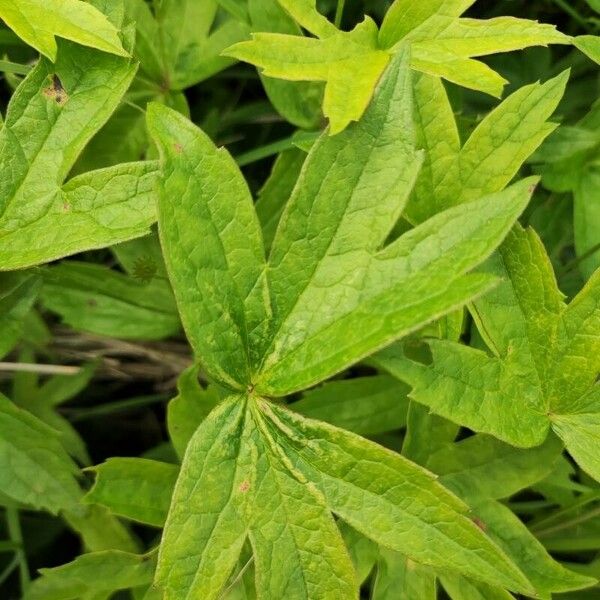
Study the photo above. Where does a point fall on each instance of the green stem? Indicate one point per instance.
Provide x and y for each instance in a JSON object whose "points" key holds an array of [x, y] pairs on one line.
{"points": [[113, 407], [568, 523], [577, 261], [12, 565], [573, 13], [16, 535], [10, 67], [269, 150], [339, 12]]}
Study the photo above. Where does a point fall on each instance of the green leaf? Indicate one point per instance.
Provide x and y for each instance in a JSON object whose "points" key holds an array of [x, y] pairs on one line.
{"points": [[542, 352], [94, 298], [95, 575], [34, 468], [547, 575], [369, 486], [51, 117], [135, 488], [589, 45], [492, 155], [235, 483], [190, 39], [297, 102], [323, 256], [220, 286], [461, 588], [276, 191], [403, 291], [481, 466], [400, 577], [37, 22], [349, 63], [18, 292], [441, 44], [587, 219], [364, 405], [189, 408]]}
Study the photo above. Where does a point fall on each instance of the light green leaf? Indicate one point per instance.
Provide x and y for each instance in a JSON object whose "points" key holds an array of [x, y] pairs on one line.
{"points": [[94, 298], [349, 63], [235, 483], [365, 405], [399, 577], [135, 488], [402, 291], [461, 588], [51, 117], [34, 468], [276, 191], [481, 466], [389, 499], [37, 22], [189, 408], [297, 102], [545, 354], [492, 155], [547, 575], [220, 285], [323, 256], [405, 16], [99, 530], [589, 45], [94, 575]]}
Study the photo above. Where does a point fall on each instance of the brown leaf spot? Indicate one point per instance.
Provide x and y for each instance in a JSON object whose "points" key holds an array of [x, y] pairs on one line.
{"points": [[178, 147], [66, 207], [244, 486], [479, 523], [92, 303], [55, 91]]}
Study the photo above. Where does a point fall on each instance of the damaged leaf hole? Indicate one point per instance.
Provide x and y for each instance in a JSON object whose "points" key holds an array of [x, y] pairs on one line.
{"points": [[55, 91]]}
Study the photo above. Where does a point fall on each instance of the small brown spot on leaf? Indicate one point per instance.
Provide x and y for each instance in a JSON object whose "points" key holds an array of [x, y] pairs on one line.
{"points": [[178, 147], [479, 523], [245, 486], [532, 188], [92, 303], [66, 207], [55, 91]]}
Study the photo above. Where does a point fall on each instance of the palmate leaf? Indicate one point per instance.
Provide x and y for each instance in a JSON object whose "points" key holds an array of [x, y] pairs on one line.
{"points": [[51, 117], [543, 365], [37, 22], [442, 44], [454, 173], [330, 293], [256, 459]]}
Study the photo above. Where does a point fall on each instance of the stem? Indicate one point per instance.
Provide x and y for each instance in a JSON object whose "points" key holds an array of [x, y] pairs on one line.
{"points": [[12, 565], [568, 523], [11, 67], [236, 579], [44, 369], [571, 265], [573, 13], [113, 407], [274, 148], [16, 535], [339, 11]]}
